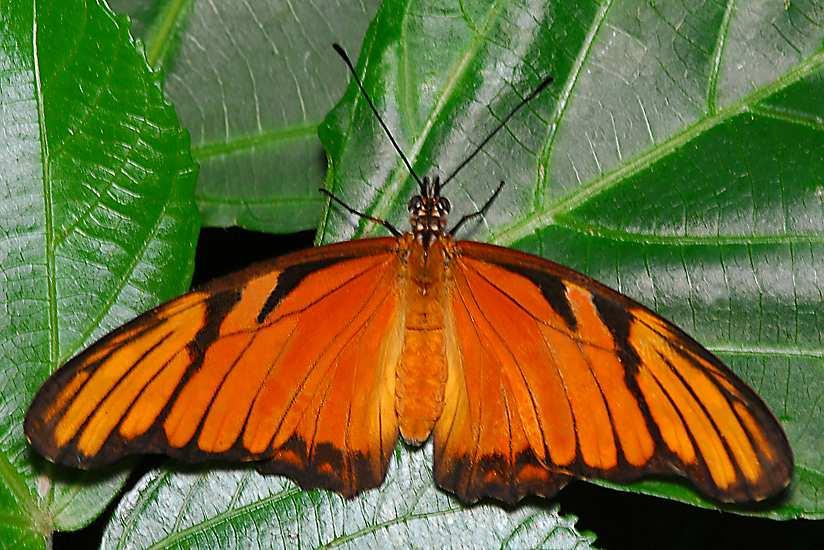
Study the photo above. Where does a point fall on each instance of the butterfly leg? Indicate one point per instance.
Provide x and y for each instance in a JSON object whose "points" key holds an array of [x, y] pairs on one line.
{"points": [[392, 229], [480, 212]]}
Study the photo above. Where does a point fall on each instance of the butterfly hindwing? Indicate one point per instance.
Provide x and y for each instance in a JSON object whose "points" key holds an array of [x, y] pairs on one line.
{"points": [[288, 363], [553, 375]]}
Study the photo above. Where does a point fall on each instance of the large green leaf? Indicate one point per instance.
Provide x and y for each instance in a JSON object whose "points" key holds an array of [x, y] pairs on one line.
{"points": [[686, 221], [97, 223], [252, 81], [677, 158], [242, 509]]}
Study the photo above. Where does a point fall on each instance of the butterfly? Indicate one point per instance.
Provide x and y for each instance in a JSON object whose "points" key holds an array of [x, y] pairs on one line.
{"points": [[525, 374]]}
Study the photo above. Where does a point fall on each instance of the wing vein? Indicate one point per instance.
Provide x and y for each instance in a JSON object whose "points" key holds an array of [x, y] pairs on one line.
{"points": [[721, 437], [84, 425], [350, 471], [538, 320], [514, 360], [666, 393], [332, 366], [511, 466], [478, 424], [310, 445], [514, 301], [272, 363], [311, 368], [99, 363], [338, 288], [555, 364], [591, 369], [219, 387], [573, 416]]}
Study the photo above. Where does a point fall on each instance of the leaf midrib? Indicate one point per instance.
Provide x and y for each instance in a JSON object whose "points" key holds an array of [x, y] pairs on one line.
{"points": [[14, 479], [224, 517], [39, 521], [718, 53], [785, 352], [406, 518], [541, 218], [161, 30], [205, 151], [47, 200], [563, 101], [616, 235]]}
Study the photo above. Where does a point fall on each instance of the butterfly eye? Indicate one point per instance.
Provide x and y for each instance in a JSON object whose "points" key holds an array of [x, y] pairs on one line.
{"points": [[444, 205], [414, 204]]}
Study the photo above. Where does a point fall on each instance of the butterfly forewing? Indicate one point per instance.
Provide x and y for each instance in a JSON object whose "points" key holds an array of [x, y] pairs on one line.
{"points": [[277, 363], [553, 375]]}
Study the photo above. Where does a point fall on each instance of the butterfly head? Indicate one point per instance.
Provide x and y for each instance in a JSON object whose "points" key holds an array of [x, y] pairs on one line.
{"points": [[428, 212]]}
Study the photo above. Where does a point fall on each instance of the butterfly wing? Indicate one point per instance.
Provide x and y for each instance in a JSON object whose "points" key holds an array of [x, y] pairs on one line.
{"points": [[553, 375], [289, 362]]}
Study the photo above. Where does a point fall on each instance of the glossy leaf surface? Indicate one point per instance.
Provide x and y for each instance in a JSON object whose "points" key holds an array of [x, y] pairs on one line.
{"points": [[252, 81], [97, 223], [242, 509]]}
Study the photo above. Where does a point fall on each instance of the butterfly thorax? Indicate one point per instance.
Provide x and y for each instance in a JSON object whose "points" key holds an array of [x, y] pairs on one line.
{"points": [[428, 212]]}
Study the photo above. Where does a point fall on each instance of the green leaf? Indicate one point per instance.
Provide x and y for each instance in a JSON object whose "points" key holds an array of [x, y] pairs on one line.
{"points": [[242, 509], [97, 223], [677, 157], [252, 81]]}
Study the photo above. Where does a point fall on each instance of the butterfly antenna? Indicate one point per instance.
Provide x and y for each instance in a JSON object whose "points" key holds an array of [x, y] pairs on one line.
{"points": [[392, 229], [345, 57], [546, 82]]}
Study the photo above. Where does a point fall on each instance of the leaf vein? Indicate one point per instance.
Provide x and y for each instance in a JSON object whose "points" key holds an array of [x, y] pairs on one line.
{"points": [[538, 218], [382, 206], [563, 101], [717, 55]]}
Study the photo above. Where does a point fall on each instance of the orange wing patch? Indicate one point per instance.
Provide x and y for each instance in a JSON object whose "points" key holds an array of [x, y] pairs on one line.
{"points": [[492, 437], [291, 363], [298, 364], [552, 375]]}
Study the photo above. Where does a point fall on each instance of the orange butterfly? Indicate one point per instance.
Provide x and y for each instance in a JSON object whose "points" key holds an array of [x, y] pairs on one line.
{"points": [[524, 372]]}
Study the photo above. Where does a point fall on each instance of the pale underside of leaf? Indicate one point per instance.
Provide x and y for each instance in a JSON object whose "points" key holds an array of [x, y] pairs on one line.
{"points": [[240, 508]]}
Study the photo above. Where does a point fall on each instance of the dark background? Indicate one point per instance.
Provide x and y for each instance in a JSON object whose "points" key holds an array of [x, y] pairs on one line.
{"points": [[619, 519]]}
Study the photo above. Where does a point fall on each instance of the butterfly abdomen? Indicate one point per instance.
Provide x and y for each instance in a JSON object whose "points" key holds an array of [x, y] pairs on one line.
{"points": [[421, 374], [421, 378]]}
